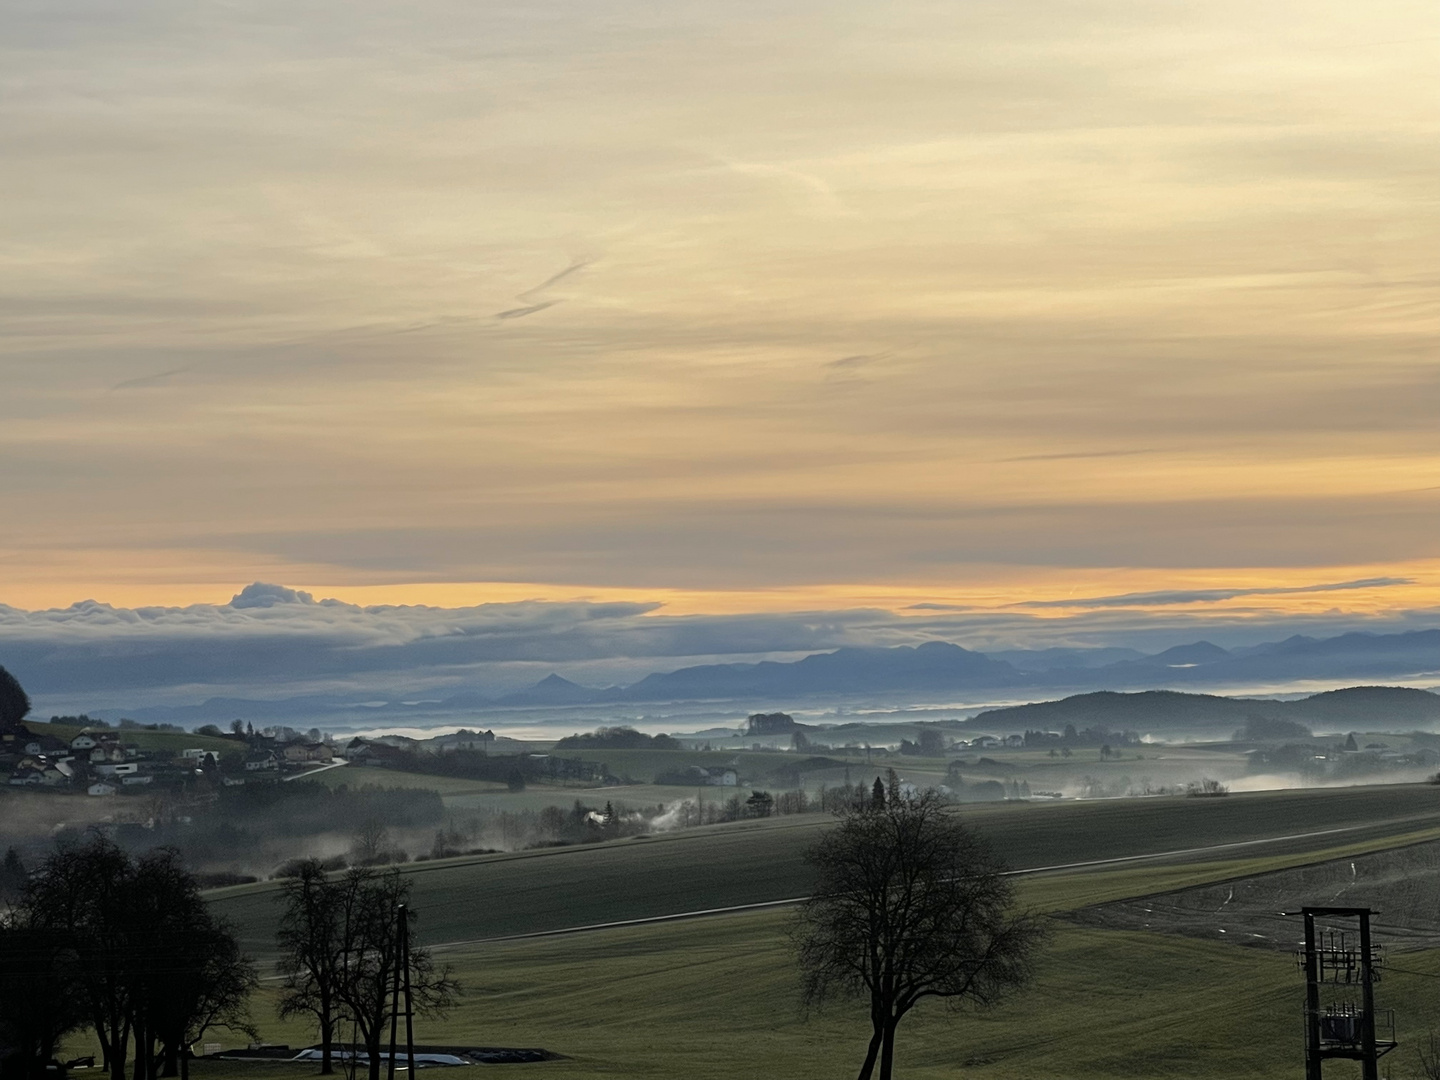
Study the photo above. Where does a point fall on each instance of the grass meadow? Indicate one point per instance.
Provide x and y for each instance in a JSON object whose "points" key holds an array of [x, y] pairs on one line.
{"points": [[717, 997]]}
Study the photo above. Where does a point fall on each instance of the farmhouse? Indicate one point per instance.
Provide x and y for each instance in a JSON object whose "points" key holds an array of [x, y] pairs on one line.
{"points": [[363, 752], [46, 744], [297, 752], [261, 762], [39, 771]]}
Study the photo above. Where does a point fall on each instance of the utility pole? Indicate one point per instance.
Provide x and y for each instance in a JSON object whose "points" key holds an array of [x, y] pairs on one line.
{"points": [[1342, 1027], [409, 1003], [402, 979], [395, 991]]}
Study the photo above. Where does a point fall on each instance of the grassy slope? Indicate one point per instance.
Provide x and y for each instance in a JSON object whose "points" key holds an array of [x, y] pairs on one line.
{"points": [[718, 866], [717, 999], [146, 740]]}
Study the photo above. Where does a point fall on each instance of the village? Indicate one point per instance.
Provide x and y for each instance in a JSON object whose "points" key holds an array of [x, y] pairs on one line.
{"points": [[102, 761]]}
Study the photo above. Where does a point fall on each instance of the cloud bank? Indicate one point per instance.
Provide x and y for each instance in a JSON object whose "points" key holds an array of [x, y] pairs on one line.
{"points": [[272, 642]]}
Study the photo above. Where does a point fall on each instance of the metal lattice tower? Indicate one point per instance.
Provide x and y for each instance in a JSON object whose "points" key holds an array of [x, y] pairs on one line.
{"points": [[1337, 963]]}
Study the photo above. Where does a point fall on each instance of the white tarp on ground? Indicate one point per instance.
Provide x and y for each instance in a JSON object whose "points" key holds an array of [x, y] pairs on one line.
{"points": [[421, 1060]]}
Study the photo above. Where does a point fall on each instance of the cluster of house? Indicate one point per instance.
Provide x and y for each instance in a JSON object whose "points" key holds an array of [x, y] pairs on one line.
{"points": [[268, 755], [991, 742], [102, 762], [99, 760]]}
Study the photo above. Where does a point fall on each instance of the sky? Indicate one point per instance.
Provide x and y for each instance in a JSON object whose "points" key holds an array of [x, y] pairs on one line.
{"points": [[945, 312]]}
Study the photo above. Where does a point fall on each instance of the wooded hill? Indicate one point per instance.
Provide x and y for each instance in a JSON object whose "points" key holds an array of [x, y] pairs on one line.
{"points": [[1169, 712]]}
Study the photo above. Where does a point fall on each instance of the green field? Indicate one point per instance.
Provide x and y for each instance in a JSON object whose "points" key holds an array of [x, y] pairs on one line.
{"points": [[716, 999]]}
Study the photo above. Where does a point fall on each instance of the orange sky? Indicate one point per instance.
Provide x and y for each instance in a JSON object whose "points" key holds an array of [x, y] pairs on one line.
{"points": [[741, 307]]}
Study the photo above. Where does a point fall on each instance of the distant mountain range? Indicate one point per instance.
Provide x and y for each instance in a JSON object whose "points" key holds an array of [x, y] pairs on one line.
{"points": [[938, 667], [1357, 708], [932, 670]]}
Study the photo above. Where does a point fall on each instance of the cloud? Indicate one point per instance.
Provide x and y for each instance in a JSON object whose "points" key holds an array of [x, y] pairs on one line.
{"points": [[260, 595], [1139, 313], [1167, 597], [273, 642], [529, 309], [147, 381], [1078, 455]]}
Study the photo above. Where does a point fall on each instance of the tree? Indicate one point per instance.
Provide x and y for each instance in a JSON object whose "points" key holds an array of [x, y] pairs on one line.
{"points": [[931, 742], [149, 963], [909, 904], [14, 702], [309, 938], [370, 840], [40, 996], [369, 902], [760, 804], [187, 972], [76, 895], [12, 875]]}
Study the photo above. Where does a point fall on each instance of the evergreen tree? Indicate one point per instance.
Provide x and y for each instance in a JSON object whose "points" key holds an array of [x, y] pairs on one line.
{"points": [[14, 702]]}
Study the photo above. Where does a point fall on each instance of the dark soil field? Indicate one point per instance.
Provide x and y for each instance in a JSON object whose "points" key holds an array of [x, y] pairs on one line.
{"points": [[756, 862], [1401, 886]]}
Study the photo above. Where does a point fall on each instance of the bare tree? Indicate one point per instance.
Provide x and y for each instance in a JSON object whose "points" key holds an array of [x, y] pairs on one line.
{"points": [[40, 995], [370, 953], [148, 961], [310, 959], [370, 840], [909, 904], [74, 896], [1429, 1057]]}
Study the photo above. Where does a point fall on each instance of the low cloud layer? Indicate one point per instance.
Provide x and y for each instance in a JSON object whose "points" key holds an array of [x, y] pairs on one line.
{"points": [[272, 642], [1209, 596]]}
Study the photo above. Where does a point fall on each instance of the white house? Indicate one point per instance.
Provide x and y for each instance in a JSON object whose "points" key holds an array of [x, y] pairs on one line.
{"points": [[133, 780], [84, 741], [100, 788], [118, 768], [260, 762], [58, 772]]}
